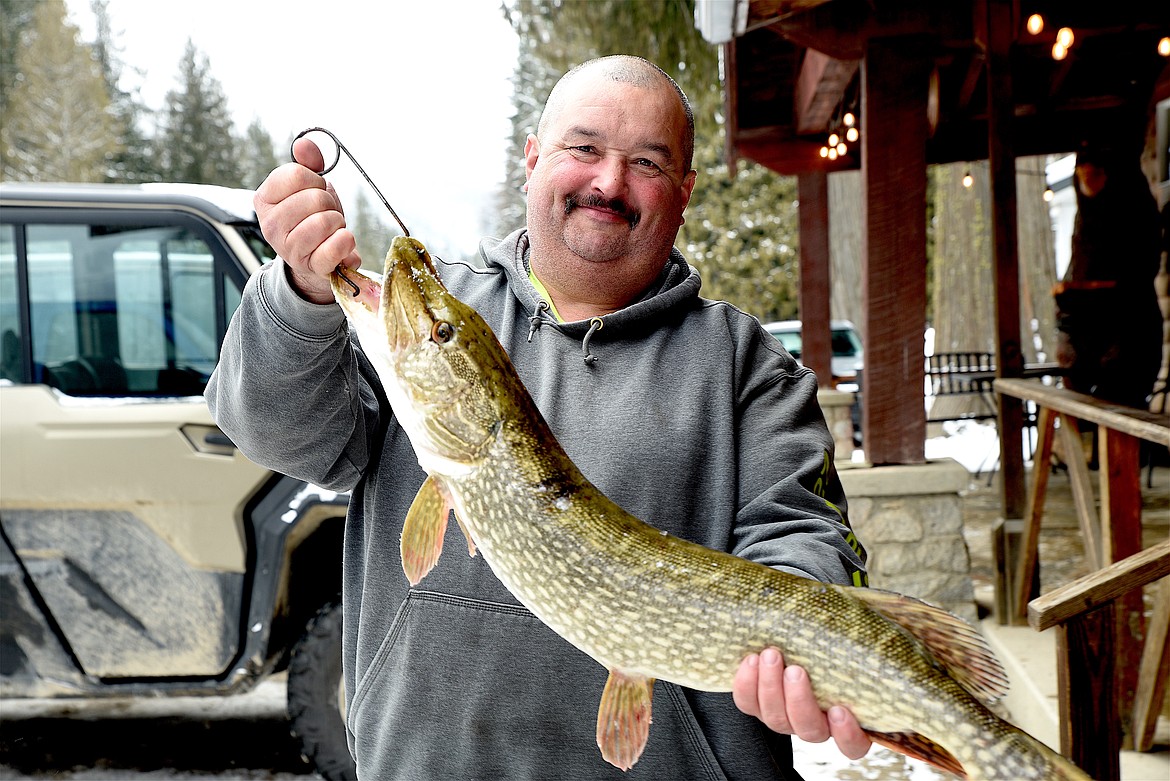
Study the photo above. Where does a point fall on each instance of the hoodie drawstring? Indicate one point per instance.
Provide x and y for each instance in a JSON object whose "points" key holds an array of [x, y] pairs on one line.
{"points": [[536, 319], [540, 317], [595, 325]]}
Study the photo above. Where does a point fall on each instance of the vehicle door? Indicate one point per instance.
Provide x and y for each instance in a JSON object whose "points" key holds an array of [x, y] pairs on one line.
{"points": [[120, 501]]}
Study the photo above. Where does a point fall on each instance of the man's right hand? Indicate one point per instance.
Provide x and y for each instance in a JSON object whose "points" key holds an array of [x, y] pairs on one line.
{"points": [[302, 218]]}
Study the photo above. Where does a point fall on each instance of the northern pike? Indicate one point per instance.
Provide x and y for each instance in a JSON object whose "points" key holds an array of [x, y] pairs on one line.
{"points": [[646, 605]]}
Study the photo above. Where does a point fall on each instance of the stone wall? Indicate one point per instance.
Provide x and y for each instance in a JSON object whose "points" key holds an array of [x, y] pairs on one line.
{"points": [[910, 520]]}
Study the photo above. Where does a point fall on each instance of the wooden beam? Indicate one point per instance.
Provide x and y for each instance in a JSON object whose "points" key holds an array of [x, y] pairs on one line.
{"points": [[816, 338], [1150, 426], [1098, 588], [820, 87]]}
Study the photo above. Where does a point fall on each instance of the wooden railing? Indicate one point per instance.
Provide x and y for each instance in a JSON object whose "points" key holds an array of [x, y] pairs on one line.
{"points": [[1100, 658], [1085, 619]]}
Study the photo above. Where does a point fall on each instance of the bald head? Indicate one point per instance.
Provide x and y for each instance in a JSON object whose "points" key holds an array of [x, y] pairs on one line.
{"points": [[623, 69]]}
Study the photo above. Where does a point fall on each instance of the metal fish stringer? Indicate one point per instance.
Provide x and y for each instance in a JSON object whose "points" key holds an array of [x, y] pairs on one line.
{"points": [[337, 158]]}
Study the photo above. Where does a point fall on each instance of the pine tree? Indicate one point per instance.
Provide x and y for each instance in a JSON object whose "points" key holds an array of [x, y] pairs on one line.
{"points": [[196, 142], [57, 125], [133, 160], [258, 155], [371, 233], [15, 19]]}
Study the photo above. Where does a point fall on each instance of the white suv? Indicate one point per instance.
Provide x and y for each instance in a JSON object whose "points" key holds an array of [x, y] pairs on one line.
{"points": [[140, 552]]}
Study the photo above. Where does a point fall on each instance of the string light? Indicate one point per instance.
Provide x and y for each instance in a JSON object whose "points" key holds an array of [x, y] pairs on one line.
{"points": [[1035, 24]]}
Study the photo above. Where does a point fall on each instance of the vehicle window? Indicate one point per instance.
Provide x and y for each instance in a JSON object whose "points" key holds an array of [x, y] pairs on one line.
{"points": [[791, 341], [120, 309], [845, 343], [10, 328]]}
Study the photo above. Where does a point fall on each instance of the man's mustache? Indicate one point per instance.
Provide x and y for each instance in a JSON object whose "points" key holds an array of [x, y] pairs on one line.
{"points": [[615, 205]]}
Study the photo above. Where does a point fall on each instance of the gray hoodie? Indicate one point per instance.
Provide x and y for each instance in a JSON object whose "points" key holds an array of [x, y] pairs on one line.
{"points": [[688, 415]]}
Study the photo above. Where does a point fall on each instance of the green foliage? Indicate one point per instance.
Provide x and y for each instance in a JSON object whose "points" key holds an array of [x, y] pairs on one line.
{"points": [[196, 143], [258, 155], [741, 229], [132, 158], [56, 124]]}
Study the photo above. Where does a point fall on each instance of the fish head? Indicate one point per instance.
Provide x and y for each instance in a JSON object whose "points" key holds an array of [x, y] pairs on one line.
{"points": [[449, 380]]}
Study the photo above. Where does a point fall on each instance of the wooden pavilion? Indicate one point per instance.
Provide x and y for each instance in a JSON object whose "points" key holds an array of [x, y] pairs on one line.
{"points": [[927, 82]]}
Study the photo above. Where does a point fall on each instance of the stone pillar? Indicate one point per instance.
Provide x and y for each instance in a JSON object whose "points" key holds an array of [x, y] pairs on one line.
{"points": [[838, 408], [910, 520]]}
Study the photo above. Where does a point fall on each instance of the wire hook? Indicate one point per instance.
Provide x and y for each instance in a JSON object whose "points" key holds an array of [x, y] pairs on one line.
{"points": [[336, 159], [341, 148]]}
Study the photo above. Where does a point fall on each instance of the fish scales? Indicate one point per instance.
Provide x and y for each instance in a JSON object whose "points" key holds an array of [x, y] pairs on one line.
{"points": [[644, 604]]}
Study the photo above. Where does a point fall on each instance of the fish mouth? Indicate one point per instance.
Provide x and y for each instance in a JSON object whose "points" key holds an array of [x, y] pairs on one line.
{"points": [[411, 294]]}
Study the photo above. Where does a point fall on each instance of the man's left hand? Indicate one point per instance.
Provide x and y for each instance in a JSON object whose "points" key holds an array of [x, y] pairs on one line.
{"points": [[782, 698]]}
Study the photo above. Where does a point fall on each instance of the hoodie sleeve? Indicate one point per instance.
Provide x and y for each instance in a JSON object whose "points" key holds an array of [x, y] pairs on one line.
{"points": [[792, 511], [290, 389]]}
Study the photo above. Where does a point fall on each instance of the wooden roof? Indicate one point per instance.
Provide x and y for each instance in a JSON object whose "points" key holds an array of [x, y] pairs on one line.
{"points": [[796, 69]]}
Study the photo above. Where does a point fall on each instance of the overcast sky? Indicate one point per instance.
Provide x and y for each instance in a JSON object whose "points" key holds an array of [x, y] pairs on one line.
{"points": [[419, 91]]}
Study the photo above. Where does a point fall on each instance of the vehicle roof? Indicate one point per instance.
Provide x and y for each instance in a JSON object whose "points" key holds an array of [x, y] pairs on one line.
{"points": [[224, 204], [794, 325]]}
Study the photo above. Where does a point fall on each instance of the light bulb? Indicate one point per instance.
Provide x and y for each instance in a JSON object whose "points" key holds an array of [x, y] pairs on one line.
{"points": [[968, 180], [1035, 24], [1048, 194], [1059, 52], [842, 149], [848, 119], [1164, 47], [824, 151], [833, 154], [1064, 36], [834, 139], [852, 134]]}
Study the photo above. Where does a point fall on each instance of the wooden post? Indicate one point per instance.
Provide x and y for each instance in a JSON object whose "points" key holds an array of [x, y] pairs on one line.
{"points": [[1009, 360], [1089, 731], [1121, 536], [816, 331], [893, 164]]}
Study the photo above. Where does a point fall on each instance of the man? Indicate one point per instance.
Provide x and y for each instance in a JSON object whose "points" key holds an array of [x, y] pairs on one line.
{"points": [[684, 412]]}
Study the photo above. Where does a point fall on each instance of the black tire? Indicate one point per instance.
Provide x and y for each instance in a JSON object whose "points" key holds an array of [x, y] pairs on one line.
{"points": [[314, 696]]}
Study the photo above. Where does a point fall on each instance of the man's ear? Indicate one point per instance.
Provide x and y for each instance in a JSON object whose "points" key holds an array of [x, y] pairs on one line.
{"points": [[531, 155]]}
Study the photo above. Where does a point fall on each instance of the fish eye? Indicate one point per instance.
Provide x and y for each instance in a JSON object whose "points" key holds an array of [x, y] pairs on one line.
{"points": [[442, 332]]}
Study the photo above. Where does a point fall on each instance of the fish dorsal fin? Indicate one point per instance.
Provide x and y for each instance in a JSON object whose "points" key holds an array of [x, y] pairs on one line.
{"points": [[954, 643], [919, 747]]}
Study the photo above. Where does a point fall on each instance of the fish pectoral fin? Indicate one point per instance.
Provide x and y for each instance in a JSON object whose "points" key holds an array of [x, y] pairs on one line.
{"points": [[919, 747], [954, 643], [423, 530], [467, 534], [623, 719]]}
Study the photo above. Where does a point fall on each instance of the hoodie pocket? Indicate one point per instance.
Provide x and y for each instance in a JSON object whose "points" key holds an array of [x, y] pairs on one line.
{"points": [[468, 689]]}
